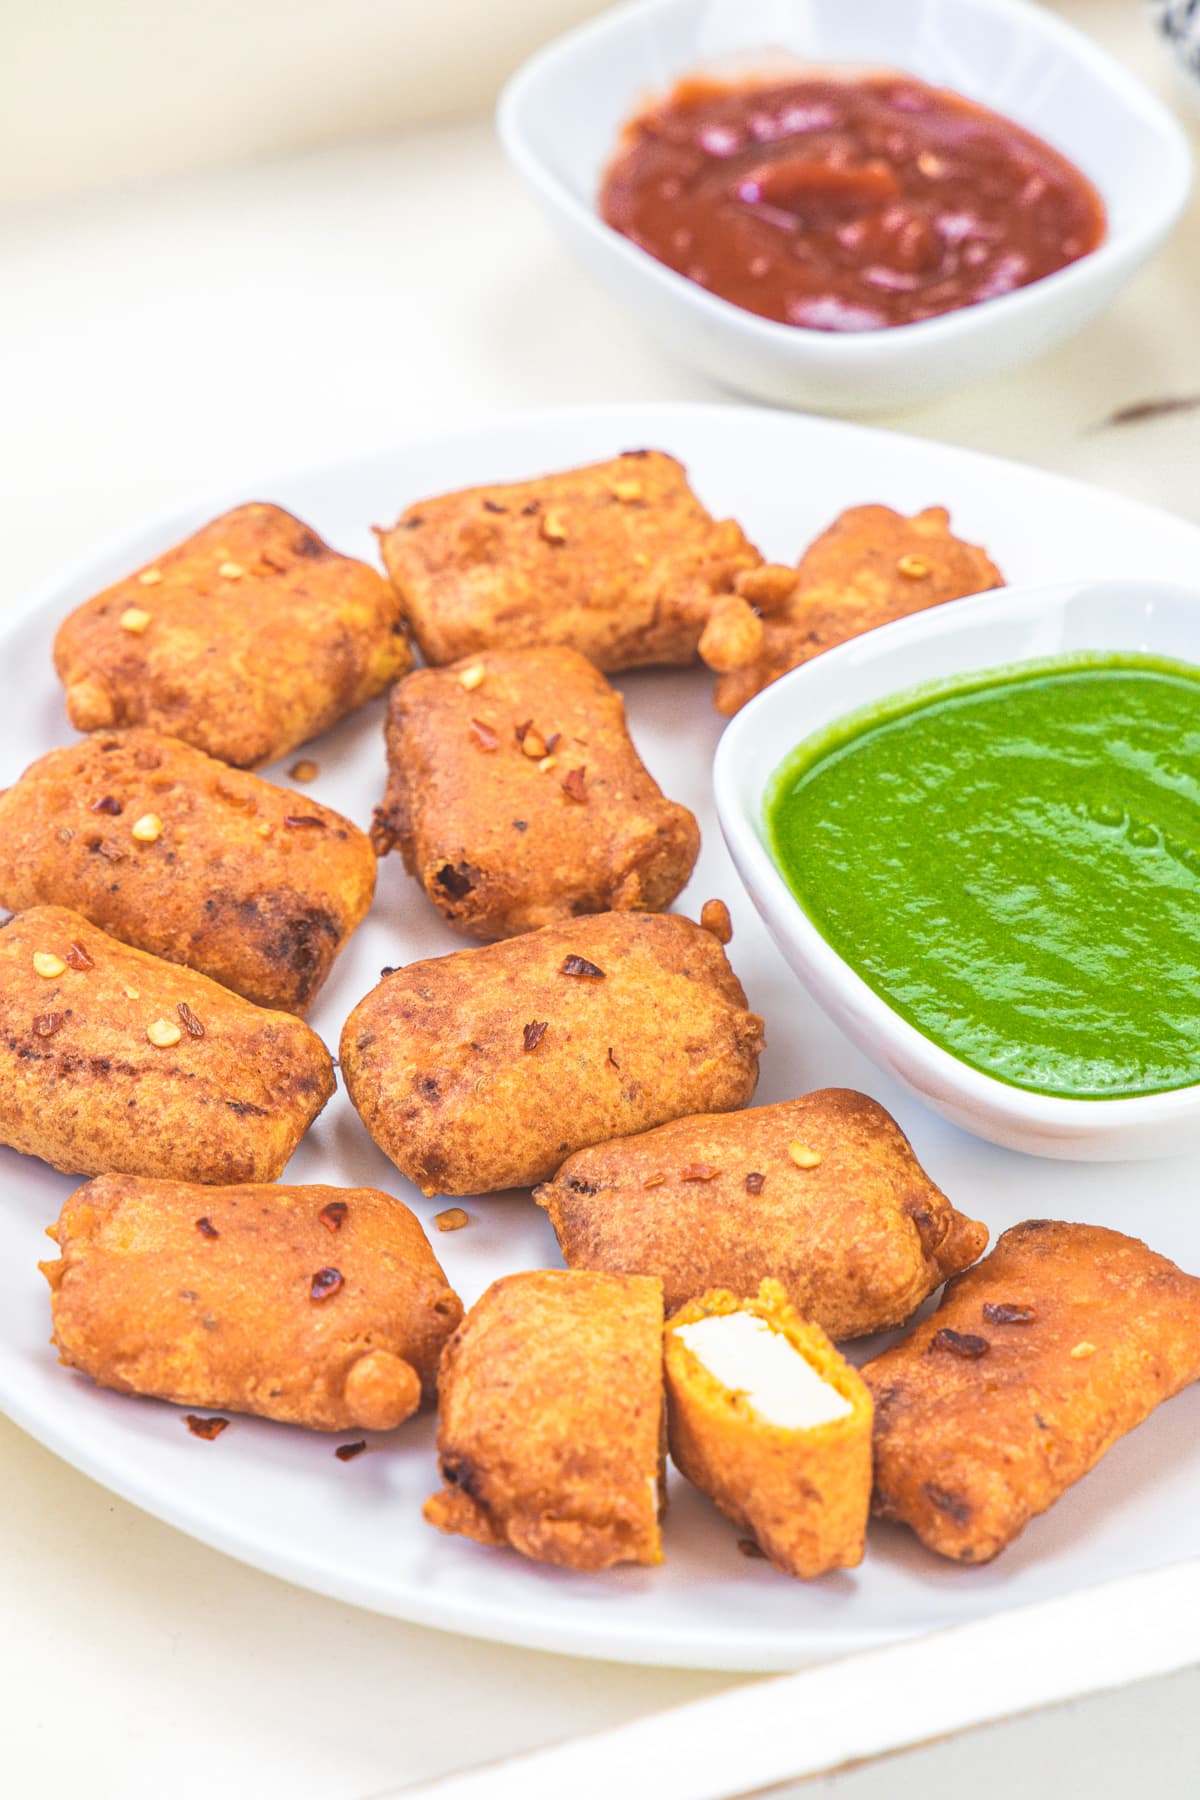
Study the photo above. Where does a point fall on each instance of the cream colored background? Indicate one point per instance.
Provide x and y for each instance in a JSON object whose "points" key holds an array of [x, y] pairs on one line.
{"points": [[94, 92], [160, 344]]}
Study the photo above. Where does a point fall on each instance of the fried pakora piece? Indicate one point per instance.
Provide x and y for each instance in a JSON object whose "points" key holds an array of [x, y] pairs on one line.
{"points": [[175, 853], [518, 799], [773, 1425], [244, 640], [319, 1306], [550, 1432], [873, 565], [115, 1062], [822, 1194], [482, 1070], [618, 560], [1035, 1364]]}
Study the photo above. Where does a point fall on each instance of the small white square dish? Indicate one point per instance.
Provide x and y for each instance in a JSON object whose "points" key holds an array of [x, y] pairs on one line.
{"points": [[1004, 627], [560, 116]]}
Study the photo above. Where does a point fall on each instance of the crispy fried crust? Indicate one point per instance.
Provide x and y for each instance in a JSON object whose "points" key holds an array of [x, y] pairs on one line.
{"points": [[257, 636], [517, 798], [871, 566], [550, 1436], [84, 1088], [254, 886], [857, 1240], [619, 560], [979, 1431], [803, 1495], [482, 1070], [204, 1296]]}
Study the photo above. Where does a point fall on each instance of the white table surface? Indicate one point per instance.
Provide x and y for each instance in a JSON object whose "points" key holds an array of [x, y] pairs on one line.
{"points": [[158, 344]]}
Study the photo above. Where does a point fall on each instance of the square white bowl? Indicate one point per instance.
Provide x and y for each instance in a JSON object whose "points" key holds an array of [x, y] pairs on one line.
{"points": [[1007, 626], [560, 115]]}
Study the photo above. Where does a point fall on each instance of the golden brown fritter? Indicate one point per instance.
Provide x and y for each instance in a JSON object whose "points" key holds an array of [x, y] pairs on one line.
{"points": [[113, 1061], [244, 640], [618, 560], [873, 565], [482, 1070], [175, 853], [550, 1427], [802, 1493], [822, 1194], [319, 1306], [518, 799], [1036, 1362]]}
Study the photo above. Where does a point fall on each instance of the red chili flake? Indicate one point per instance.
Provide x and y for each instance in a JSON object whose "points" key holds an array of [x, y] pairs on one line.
{"points": [[755, 1183], [191, 1023], [111, 853], [206, 1228], [612, 1061], [698, 1172], [579, 965], [348, 1452], [78, 958], [553, 741], [325, 1282], [483, 734], [574, 784], [494, 506], [108, 804], [535, 1031], [205, 1428], [531, 507], [1003, 1313], [46, 1024], [522, 730], [748, 1547], [300, 819], [959, 1343], [331, 1216]]}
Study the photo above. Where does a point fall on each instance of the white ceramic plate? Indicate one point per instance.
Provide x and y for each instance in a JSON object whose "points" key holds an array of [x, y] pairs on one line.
{"points": [[276, 1497]]}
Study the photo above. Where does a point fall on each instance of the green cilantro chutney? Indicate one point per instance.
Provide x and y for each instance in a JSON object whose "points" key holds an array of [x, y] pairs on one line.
{"points": [[1011, 859]]}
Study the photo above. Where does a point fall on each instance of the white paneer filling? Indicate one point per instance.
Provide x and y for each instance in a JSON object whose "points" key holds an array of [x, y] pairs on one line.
{"points": [[742, 1352]]}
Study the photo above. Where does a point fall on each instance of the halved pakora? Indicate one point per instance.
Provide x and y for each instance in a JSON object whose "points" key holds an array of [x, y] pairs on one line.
{"points": [[245, 639], [767, 1419], [517, 798], [822, 1194], [484, 1069], [618, 559], [319, 1306], [550, 1430], [1037, 1361], [175, 853], [871, 566], [113, 1061]]}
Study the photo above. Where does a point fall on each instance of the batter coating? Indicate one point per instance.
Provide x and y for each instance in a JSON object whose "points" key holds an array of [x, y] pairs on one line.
{"points": [[618, 559], [244, 640], [822, 1194], [803, 1494], [873, 565], [113, 1061], [484, 1069], [550, 1432], [226, 1297], [517, 798], [1037, 1361], [173, 852]]}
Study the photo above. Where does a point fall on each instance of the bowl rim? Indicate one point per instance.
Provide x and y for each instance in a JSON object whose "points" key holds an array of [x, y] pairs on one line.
{"points": [[1119, 251], [1054, 1116]]}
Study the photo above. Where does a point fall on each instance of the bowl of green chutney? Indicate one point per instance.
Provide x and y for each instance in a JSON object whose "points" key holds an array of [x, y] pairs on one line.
{"points": [[975, 836]]}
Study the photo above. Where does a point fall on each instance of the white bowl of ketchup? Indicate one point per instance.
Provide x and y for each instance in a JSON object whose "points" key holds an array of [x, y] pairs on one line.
{"points": [[561, 119]]}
